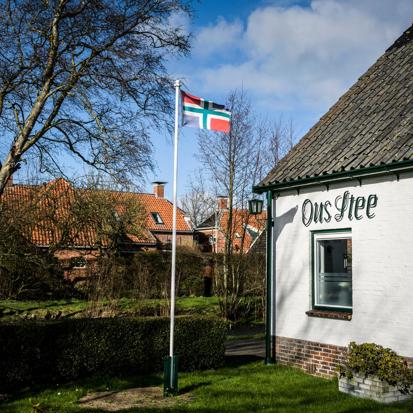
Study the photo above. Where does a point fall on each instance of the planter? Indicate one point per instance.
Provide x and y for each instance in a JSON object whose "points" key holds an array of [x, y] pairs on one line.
{"points": [[371, 388]]}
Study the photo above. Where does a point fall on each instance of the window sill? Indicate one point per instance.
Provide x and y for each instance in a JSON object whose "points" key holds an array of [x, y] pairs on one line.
{"points": [[336, 315]]}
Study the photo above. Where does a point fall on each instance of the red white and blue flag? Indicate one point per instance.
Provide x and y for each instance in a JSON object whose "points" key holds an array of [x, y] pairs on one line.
{"points": [[204, 114]]}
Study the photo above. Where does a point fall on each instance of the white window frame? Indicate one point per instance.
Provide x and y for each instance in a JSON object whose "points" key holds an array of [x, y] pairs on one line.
{"points": [[325, 235], [156, 216]]}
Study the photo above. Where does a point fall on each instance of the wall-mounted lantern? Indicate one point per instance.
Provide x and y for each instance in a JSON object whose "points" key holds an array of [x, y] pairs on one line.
{"points": [[255, 206]]}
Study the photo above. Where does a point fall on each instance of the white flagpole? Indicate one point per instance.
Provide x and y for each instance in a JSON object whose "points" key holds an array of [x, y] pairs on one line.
{"points": [[172, 314]]}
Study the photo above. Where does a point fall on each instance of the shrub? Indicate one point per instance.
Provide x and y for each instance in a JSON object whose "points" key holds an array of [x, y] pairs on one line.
{"points": [[370, 359], [240, 285], [149, 273], [44, 352], [27, 272], [32, 276]]}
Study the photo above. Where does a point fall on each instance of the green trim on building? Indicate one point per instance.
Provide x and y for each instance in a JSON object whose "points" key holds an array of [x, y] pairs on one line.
{"points": [[269, 339], [312, 263], [321, 231]]}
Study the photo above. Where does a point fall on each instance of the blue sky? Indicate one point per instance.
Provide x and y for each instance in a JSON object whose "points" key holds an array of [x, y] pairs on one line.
{"points": [[294, 59]]}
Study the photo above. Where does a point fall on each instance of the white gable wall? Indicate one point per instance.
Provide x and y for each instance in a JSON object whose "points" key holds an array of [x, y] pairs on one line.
{"points": [[382, 266]]}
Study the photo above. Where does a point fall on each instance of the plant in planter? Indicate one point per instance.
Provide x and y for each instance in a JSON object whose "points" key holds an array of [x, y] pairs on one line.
{"points": [[375, 372]]}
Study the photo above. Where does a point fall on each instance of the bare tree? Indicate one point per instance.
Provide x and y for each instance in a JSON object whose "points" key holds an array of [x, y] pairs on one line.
{"points": [[235, 161], [290, 137], [198, 203], [85, 78], [279, 136]]}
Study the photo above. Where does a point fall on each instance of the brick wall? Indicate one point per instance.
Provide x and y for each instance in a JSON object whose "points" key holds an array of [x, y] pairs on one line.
{"points": [[314, 358], [317, 359]]}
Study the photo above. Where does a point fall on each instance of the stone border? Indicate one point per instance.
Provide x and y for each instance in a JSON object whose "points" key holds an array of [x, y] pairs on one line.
{"points": [[371, 387]]}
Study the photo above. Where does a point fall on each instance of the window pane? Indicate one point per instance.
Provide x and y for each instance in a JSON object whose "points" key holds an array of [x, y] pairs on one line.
{"points": [[334, 272], [157, 218]]}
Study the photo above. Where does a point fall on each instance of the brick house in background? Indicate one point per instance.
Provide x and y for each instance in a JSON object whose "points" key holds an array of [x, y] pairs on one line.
{"points": [[159, 218], [79, 257], [248, 231]]}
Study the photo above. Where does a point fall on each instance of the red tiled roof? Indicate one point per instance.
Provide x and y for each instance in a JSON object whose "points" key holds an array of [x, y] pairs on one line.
{"points": [[246, 228], [59, 195], [241, 219], [164, 208]]}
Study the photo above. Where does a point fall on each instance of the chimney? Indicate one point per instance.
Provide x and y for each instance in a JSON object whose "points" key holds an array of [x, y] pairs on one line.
{"points": [[159, 189], [222, 202], [9, 181]]}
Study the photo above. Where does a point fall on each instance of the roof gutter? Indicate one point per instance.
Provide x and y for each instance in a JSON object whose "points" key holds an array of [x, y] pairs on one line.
{"points": [[395, 167]]}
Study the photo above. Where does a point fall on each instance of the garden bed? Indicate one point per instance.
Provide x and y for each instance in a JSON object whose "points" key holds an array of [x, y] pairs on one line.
{"points": [[373, 372]]}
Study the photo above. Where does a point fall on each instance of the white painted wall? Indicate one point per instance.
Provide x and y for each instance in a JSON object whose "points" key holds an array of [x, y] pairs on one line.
{"points": [[382, 266]]}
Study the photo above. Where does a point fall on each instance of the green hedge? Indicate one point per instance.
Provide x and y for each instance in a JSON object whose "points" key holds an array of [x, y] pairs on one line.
{"points": [[56, 351]]}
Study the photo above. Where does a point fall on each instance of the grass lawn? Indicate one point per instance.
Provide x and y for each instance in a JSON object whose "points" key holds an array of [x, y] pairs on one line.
{"points": [[246, 387], [10, 309]]}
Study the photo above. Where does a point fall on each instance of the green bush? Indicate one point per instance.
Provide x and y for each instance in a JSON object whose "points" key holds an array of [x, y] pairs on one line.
{"points": [[27, 272], [149, 273], [240, 281], [55, 351], [370, 359]]}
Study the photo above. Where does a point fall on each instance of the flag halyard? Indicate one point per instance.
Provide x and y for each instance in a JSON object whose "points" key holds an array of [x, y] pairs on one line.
{"points": [[204, 114]]}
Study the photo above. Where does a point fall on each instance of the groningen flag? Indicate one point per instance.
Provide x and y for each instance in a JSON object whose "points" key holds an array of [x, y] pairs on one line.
{"points": [[204, 114]]}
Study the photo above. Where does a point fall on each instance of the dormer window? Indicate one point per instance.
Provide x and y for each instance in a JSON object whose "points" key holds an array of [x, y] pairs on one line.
{"points": [[78, 262], [252, 232], [157, 218]]}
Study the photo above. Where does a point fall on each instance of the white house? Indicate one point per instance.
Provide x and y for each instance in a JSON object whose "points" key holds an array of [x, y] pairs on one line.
{"points": [[340, 260]]}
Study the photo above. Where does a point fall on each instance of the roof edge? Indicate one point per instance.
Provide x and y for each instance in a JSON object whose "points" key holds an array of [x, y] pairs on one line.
{"points": [[168, 231], [336, 176]]}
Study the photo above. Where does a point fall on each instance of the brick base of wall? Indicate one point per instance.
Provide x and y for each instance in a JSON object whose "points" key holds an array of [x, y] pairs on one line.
{"points": [[314, 358], [317, 359]]}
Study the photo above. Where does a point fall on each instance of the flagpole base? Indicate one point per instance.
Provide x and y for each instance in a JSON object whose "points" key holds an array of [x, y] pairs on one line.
{"points": [[270, 354], [170, 376]]}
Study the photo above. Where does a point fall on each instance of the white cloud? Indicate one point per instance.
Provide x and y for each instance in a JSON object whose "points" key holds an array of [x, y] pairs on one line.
{"points": [[181, 21], [217, 38], [302, 57]]}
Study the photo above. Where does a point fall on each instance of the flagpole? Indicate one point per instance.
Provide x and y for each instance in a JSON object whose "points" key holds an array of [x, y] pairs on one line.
{"points": [[170, 366]]}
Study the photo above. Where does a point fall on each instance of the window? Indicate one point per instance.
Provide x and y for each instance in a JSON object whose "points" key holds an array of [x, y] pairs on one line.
{"points": [[78, 262], [252, 232], [157, 218], [332, 270]]}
